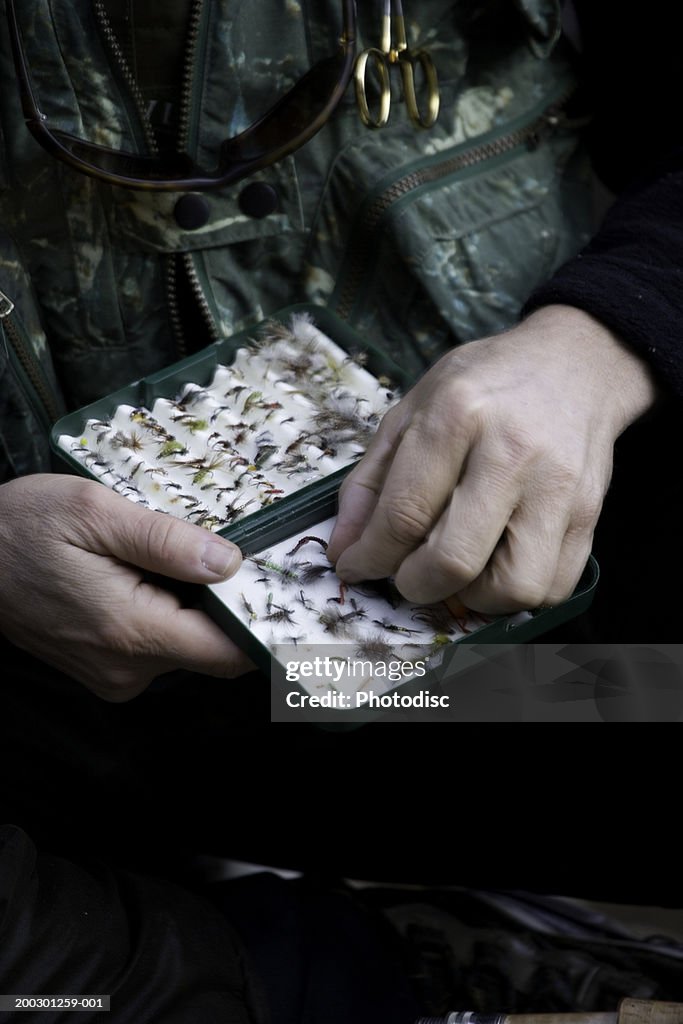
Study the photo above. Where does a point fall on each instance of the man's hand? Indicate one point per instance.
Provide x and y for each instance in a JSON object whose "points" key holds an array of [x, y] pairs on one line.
{"points": [[73, 589], [486, 481]]}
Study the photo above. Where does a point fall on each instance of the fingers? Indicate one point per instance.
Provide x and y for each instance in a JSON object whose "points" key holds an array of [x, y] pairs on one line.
{"points": [[190, 640], [73, 594], [574, 555], [459, 547], [513, 533], [170, 638], [417, 485], [359, 491], [112, 525], [520, 572], [490, 492], [545, 546], [500, 589], [538, 560]]}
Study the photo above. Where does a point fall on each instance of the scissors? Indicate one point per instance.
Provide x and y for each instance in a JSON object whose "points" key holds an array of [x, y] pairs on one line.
{"points": [[391, 54]]}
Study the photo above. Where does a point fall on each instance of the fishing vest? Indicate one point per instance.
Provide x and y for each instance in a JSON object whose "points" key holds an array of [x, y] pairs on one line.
{"points": [[419, 238]]}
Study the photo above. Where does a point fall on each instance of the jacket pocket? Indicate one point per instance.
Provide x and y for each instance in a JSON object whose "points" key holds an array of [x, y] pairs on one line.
{"points": [[450, 248]]}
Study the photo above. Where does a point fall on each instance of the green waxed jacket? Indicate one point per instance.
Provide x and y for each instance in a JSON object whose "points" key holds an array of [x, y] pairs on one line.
{"points": [[420, 238]]}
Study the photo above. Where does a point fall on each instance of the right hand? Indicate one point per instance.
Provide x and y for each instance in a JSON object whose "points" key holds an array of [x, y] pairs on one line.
{"points": [[485, 482], [74, 592]]}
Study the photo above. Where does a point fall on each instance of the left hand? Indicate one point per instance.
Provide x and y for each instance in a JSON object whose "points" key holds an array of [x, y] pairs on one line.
{"points": [[81, 589], [487, 480]]}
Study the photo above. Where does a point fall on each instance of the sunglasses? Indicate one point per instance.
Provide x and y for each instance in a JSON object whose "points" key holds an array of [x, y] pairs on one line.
{"points": [[285, 127]]}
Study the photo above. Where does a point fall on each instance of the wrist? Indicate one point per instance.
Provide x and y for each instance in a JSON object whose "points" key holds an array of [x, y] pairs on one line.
{"points": [[616, 370]]}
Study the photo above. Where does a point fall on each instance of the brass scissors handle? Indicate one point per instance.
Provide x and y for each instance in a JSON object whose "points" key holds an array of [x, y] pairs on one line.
{"points": [[407, 65], [382, 60], [360, 72]]}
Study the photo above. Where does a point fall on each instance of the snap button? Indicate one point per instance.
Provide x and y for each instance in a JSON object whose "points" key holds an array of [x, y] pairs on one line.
{"points": [[192, 211], [258, 199]]}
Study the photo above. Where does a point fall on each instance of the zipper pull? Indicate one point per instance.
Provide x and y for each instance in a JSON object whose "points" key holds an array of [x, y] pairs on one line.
{"points": [[557, 118], [6, 306], [547, 125]]}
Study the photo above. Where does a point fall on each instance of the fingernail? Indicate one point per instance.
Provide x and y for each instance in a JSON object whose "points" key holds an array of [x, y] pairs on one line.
{"points": [[220, 559]]}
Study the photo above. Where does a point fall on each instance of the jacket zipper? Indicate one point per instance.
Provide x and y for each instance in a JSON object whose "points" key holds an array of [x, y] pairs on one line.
{"points": [[183, 262], [174, 317], [27, 367], [200, 295], [186, 91], [126, 73], [361, 251]]}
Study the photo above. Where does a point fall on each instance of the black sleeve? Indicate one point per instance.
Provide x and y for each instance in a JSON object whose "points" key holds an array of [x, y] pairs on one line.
{"points": [[162, 953], [630, 276]]}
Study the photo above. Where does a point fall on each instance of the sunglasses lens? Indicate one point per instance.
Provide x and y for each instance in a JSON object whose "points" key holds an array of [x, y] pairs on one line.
{"points": [[300, 113], [115, 163]]}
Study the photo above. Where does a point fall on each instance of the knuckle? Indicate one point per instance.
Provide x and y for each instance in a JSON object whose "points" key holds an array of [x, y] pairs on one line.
{"points": [[558, 593], [459, 405], [564, 473], [529, 594], [537, 453], [156, 535], [583, 519], [521, 447], [566, 581], [408, 520], [462, 566], [523, 595], [586, 512], [90, 498]]}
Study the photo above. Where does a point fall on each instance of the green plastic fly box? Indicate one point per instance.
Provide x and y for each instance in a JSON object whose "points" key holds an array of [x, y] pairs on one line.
{"points": [[251, 438]]}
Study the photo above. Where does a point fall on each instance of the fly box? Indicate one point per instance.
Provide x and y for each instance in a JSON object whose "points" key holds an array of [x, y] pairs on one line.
{"points": [[251, 438]]}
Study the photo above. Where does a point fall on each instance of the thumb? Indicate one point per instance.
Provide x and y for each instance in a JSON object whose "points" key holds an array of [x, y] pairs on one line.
{"points": [[160, 543]]}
